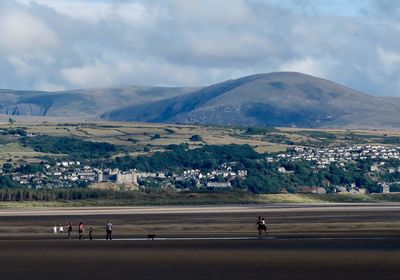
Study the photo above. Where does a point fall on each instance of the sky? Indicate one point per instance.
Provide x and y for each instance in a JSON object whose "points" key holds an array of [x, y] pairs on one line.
{"points": [[57, 45]]}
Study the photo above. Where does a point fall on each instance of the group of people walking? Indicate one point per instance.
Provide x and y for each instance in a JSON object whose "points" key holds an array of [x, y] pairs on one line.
{"points": [[58, 229]]}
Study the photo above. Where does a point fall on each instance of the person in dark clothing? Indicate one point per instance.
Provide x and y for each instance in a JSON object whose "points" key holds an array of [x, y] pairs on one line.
{"points": [[69, 230], [261, 226], [258, 224], [264, 225], [109, 230], [90, 233]]}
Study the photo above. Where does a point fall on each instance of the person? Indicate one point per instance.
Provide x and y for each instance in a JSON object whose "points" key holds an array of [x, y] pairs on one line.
{"points": [[258, 223], [60, 229], [90, 233], [108, 230], [55, 229], [69, 230], [261, 225], [264, 225], [81, 229]]}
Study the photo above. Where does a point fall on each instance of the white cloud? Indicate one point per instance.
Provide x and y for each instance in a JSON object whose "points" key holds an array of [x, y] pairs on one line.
{"points": [[229, 48], [89, 75], [389, 59], [56, 44], [306, 65], [21, 32], [203, 11], [46, 86], [136, 14]]}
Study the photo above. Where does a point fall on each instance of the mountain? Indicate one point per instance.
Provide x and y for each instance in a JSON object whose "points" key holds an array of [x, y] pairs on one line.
{"points": [[81, 103], [274, 99]]}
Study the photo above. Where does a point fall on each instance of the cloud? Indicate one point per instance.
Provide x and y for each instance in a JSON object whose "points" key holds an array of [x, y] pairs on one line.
{"points": [[384, 8], [389, 59], [94, 12], [210, 11], [47, 44], [306, 65], [23, 32], [88, 75]]}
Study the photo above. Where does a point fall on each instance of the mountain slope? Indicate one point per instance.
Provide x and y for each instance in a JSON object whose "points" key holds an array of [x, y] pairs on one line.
{"points": [[85, 103], [276, 99]]}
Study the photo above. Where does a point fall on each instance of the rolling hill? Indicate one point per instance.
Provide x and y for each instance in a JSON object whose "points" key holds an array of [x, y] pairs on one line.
{"points": [[80, 103], [275, 99]]}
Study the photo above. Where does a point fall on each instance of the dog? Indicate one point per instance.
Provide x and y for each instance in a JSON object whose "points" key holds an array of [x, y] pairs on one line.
{"points": [[151, 236]]}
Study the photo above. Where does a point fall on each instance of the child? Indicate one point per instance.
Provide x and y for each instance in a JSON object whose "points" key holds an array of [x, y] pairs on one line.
{"points": [[90, 233]]}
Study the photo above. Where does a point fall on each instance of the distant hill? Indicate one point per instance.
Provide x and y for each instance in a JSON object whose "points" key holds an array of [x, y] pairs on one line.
{"points": [[81, 103], [275, 99]]}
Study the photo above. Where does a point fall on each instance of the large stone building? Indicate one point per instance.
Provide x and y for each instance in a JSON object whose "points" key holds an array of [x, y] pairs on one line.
{"points": [[127, 178]]}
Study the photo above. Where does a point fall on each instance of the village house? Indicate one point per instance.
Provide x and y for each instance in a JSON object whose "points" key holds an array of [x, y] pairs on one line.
{"points": [[219, 184]]}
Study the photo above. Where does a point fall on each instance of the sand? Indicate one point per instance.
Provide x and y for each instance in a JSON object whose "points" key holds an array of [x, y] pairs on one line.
{"points": [[323, 242]]}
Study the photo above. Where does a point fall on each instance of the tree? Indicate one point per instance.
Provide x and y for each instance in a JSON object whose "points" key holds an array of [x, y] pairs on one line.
{"points": [[7, 167], [196, 137]]}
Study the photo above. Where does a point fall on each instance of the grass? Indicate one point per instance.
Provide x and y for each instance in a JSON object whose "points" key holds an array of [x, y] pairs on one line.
{"points": [[226, 198], [119, 132], [17, 151], [288, 198]]}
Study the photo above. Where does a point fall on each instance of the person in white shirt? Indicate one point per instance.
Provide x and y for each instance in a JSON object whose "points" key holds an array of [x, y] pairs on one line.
{"points": [[109, 230], [61, 229], [55, 229]]}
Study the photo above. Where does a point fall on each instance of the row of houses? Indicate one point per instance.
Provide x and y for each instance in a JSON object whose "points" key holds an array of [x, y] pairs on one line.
{"points": [[213, 179], [70, 174], [339, 155]]}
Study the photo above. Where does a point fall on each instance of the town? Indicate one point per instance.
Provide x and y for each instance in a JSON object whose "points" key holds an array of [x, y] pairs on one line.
{"points": [[376, 156], [342, 155], [67, 174]]}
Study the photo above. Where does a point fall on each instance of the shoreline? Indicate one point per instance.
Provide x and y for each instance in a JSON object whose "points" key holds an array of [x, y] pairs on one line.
{"points": [[200, 209], [209, 199]]}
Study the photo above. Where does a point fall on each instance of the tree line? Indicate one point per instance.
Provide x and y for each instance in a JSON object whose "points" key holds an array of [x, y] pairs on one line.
{"points": [[180, 157], [10, 194], [72, 147]]}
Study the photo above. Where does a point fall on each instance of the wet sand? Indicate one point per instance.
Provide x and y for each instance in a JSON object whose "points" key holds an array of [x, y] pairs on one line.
{"points": [[324, 242], [283, 221], [258, 259]]}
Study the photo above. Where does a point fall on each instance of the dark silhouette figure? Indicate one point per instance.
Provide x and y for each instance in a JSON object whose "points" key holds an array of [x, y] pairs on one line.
{"points": [[109, 230], [69, 230], [90, 233], [261, 226]]}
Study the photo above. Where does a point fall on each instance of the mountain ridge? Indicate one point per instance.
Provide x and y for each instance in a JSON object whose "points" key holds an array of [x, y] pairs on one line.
{"points": [[82, 102], [269, 99], [276, 99]]}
